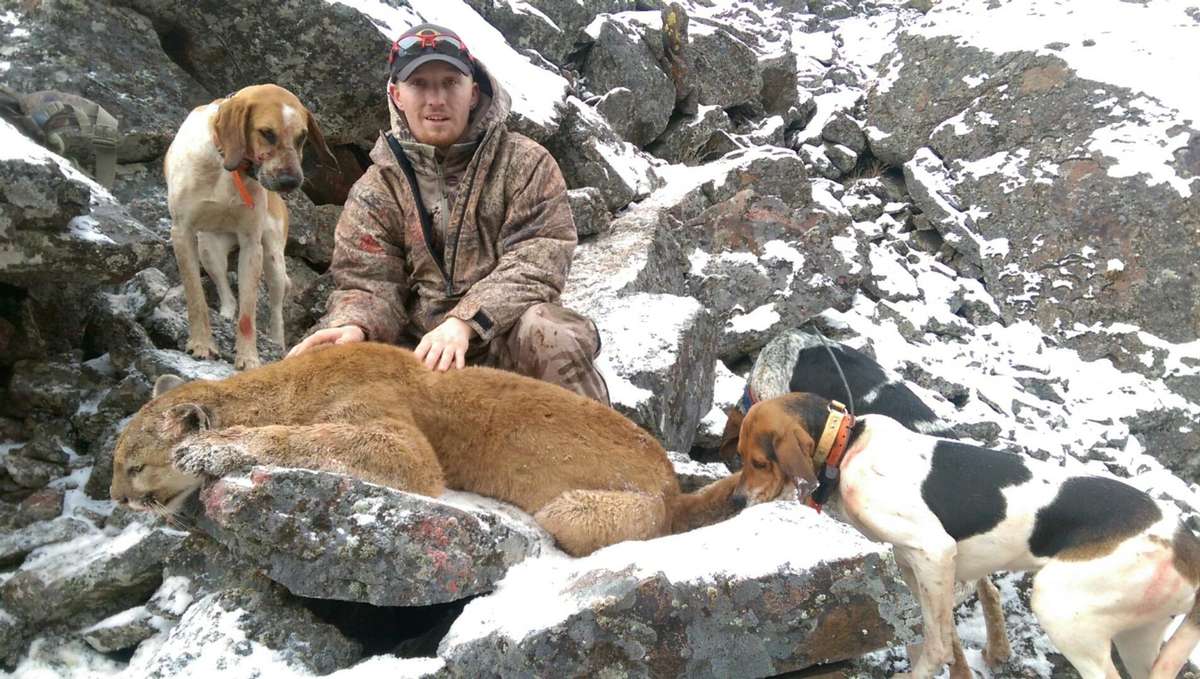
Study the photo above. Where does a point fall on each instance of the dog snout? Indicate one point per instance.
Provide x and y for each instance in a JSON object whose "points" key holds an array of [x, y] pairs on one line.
{"points": [[287, 182], [738, 499]]}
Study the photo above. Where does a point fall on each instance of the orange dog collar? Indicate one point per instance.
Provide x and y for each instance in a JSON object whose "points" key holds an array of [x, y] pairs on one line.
{"points": [[830, 449], [242, 190]]}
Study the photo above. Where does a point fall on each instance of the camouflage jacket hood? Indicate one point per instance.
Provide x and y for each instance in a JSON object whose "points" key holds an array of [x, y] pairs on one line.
{"points": [[508, 242]]}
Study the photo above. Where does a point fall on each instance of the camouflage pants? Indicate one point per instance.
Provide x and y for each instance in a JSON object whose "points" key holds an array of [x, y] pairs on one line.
{"points": [[553, 344]]}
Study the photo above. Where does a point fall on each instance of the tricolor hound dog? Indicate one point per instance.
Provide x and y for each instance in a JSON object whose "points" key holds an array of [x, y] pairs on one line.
{"points": [[1112, 565], [223, 170], [798, 361]]}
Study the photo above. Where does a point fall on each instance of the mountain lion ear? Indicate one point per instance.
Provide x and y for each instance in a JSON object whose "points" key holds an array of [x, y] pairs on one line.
{"points": [[186, 418], [166, 383]]}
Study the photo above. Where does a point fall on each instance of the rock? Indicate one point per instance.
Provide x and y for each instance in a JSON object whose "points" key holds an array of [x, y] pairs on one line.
{"points": [[1169, 435], [310, 293], [48, 46], [41, 505], [690, 139], [846, 131], [123, 630], [762, 267], [769, 171], [726, 71], [695, 475], [225, 626], [842, 157], [330, 536], [33, 474], [58, 225], [587, 207], [310, 230], [619, 57], [689, 605], [50, 387], [158, 362], [89, 577], [590, 153], [345, 97], [1017, 141], [12, 638], [172, 598], [779, 94], [16, 545]]}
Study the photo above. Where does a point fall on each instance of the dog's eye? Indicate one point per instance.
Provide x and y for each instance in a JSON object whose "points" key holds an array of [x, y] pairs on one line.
{"points": [[759, 463], [301, 139], [267, 136], [137, 469]]}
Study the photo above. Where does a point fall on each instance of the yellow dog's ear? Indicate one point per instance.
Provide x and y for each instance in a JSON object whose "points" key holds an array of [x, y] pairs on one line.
{"points": [[728, 451], [794, 450], [229, 131], [318, 141]]}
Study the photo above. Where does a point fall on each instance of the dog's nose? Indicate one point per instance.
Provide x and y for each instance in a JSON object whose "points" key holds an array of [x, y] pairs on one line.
{"points": [[287, 182], [738, 500]]}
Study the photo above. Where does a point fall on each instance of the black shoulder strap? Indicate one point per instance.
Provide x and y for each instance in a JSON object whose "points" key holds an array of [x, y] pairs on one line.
{"points": [[411, 175]]}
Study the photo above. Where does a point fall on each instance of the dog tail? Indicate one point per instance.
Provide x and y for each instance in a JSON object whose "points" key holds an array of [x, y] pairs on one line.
{"points": [[1174, 654], [706, 506]]}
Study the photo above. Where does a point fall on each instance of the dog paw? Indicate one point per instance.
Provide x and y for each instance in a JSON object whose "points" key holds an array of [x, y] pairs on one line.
{"points": [[211, 455], [202, 348], [997, 657], [246, 362]]}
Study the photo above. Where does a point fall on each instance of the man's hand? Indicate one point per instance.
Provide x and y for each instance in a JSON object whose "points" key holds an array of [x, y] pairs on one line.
{"points": [[445, 345], [341, 335]]}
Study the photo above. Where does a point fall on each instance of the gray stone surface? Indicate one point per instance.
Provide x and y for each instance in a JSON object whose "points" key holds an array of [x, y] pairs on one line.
{"points": [[690, 139], [122, 630], [109, 54], [590, 153], [620, 57], [343, 88], [690, 605], [1015, 180], [588, 209], [17, 544], [334, 537], [56, 224], [90, 577]]}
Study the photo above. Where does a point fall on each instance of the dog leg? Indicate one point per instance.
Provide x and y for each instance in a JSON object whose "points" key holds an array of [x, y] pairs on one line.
{"points": [[1080, 633], [183, 241], [959, 669], [387, 452], [214, 255], [250, 255], [1139, 647], [583, 521], [932, 567], [998, 650], [278, 283]]}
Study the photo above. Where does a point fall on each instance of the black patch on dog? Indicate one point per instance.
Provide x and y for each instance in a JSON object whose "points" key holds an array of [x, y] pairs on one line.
{"points": [[812, 411], [964, 484], [815, 372], [1090, 509], [767, 443]]}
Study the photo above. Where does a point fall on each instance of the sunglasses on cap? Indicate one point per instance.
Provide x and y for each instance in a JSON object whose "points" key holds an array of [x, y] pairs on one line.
{"points": [[426, 41]]}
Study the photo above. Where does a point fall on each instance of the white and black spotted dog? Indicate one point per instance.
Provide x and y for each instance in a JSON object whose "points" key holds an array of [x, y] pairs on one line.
{"points": [[1111, 565]]}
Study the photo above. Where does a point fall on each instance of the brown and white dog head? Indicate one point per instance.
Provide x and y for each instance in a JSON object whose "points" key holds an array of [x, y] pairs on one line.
{"points": [[776, 443], [262, 129]]}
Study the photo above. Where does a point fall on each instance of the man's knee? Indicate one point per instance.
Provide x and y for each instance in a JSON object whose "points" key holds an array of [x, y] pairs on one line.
{"points": [[550, 327]]}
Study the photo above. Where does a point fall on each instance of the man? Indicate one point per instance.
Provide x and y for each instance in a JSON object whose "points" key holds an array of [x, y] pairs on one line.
{"points": [[471, 267]]}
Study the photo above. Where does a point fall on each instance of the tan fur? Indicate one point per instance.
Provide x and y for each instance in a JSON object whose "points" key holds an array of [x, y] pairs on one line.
{"points": [[589, 475], [259, 131]]}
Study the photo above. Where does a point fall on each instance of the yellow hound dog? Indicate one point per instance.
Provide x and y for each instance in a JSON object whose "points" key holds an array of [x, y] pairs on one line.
{"points": [[223, 169], [1112, 565]]}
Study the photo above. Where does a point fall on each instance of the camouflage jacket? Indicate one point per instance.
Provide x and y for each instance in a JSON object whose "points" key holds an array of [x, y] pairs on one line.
{"points": [[508, 237]]}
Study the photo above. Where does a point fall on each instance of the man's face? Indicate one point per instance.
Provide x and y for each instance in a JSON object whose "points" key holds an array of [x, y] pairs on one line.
{"points": [[436, 100]]}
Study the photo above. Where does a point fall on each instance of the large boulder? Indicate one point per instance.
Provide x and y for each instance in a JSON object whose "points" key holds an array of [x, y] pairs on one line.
{"points": [[727, 71], [108, 54], [227, 47], [656, 341], [1042, 180], [90, 577], [590, 153], [548, 26], [56, 224], [334, 537], [619, 58], [708, 603]]}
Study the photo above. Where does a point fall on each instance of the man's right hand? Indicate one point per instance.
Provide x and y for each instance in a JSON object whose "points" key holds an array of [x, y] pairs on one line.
{"points": [[345, 334]]}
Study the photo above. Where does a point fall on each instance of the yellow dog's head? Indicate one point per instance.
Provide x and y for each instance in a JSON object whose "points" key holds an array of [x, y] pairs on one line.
{"points": [[262, 129]]}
